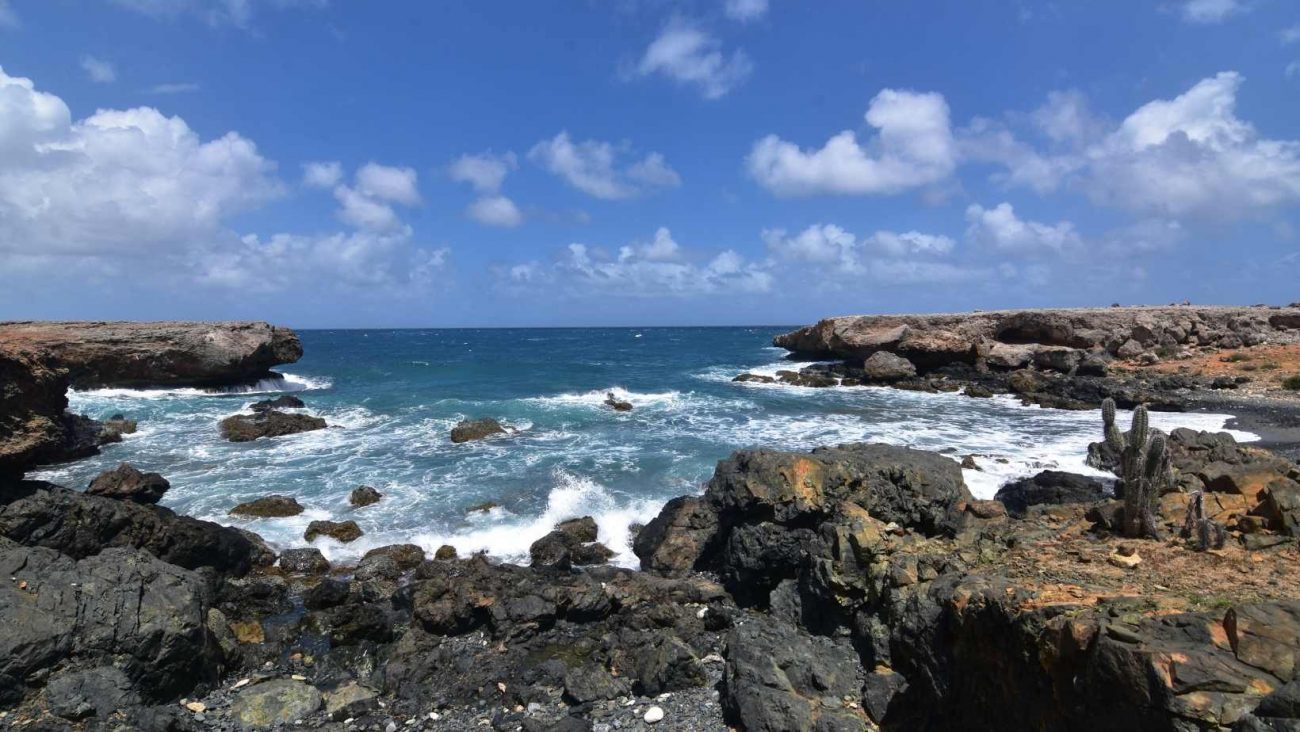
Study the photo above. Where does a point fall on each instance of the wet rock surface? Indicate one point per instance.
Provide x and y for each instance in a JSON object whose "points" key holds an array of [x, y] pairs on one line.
{"points": [[269, 423], [476, 429], [268, 507]]}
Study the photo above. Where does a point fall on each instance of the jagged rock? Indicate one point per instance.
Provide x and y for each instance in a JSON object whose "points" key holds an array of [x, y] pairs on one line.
{"points": [[246, 428], [304, 561], [344, 531], [93, 692], [364, 496], [405, 556], [1050, 487], [325, 594], [276, 702], [127, 483], [446, 551], [780, 678], [586, 684], [572, 542], [806, 378], [81, 525], [885, 366], [754, 379], [281, 402], [476, 429], [349, 700], [121, 607], [268, 507]]}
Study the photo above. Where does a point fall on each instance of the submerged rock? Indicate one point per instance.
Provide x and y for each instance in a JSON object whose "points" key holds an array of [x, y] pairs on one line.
{"points": [[276, 506], [476, 429], [127, 483], [246, 428], [282, 402], [618, 405], [754, 379]]}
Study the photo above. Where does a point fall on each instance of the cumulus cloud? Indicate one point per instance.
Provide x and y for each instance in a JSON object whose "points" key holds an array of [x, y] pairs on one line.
{"points": [[657, 268], [913, 147], [1210, 11], [388, 183], [593, 167], [98, 70], [691, 57], [495, 210], [322, 174], [745, 11], [485, 173], [80, 197], [884, 257], [1000, 229], [1189, 156]]}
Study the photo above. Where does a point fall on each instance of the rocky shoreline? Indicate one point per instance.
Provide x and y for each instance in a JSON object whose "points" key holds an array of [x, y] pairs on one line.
{"points": [[852, 587]]}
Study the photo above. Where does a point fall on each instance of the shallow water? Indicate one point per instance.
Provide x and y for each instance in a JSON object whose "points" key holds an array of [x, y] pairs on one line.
{"points": [[392, 396]]}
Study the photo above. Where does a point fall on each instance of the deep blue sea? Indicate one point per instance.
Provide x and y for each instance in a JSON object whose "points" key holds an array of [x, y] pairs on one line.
{"points": [[392, 396]]}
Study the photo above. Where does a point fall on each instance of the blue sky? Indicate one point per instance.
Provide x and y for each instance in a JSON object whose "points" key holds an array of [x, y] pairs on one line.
{"points": [[343, 163]]}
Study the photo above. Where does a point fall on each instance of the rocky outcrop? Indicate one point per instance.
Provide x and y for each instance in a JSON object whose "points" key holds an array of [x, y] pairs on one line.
{"points": [[1058, 340], [35, 426], [166, 353], [80, 525], [573, 542], [1049, 488]]}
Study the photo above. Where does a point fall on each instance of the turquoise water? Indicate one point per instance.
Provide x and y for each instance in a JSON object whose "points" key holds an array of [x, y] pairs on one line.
{"points": [[392, 396]]}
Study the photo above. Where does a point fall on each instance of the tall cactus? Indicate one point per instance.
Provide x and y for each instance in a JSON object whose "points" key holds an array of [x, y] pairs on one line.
{"points": [[1144, 467]]}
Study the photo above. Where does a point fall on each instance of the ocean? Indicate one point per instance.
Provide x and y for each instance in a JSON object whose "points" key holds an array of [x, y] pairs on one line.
{"points": [[392, 396]]}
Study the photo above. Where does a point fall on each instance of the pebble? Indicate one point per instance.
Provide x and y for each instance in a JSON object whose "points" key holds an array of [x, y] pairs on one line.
{"points": [[241, 682], [653, 714], [196, 706]]}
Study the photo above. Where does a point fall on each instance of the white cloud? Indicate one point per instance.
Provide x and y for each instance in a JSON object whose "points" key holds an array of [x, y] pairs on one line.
{"points": [[1210, 11], [140, 195], [692, 57], [387, 183], [884, 257], [1292, 69], [182, 87], [322, 174], [237, 13], [914, 147], [1065, 117], [119, 181], [485, 172], [592, 167], [1290, 35], [745, 11], [1000, 229], [495, 210], [658, 269], [1190, 156], [98, 70]]}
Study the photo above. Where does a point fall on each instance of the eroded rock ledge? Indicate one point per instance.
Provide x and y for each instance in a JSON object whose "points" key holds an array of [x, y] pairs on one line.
{"points": [[40, 361]]}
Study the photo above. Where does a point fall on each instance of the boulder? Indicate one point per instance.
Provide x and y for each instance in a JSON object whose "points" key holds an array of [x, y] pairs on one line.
{"points": [[676, 539], [281, 402], [82, 525], [304, 561], [618, 405], [405, 556], [246, 428], [1050, 487], [276, 506], [344, 531], [476, 429], [754, 379], [1009, 356], [885, 366], [572, 542], [116, 624], [275, 703], [127, 483], [364, 496]]}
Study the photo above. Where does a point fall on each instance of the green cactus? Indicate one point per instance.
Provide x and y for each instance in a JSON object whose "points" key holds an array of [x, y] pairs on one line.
{"points": [[1144, 468]]}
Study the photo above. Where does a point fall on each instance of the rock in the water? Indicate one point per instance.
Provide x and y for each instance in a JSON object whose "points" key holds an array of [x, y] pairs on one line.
{"points": [[246, 428], [281, 402], [572, 542], [343, 531], [1050, 487], [754, 379], [81, 525], [364, 496], [304, 561], [476, 429], [276, 702], [618, 405], [127, 483], [885, 366], [268, 507]]}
